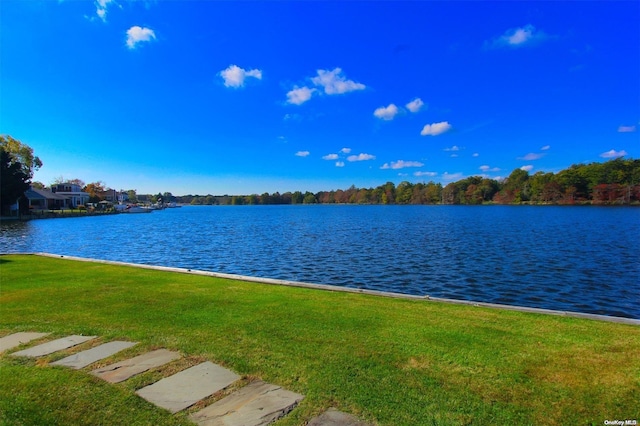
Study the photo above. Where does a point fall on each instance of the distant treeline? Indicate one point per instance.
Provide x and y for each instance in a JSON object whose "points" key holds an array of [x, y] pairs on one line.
{"points": [[615, 182]]}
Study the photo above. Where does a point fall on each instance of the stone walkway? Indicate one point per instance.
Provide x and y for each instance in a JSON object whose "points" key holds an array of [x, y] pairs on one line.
{"points": [[255, 404]]}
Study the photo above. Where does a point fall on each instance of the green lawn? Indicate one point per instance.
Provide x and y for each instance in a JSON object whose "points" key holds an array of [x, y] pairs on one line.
{"points": [[387, 361]]}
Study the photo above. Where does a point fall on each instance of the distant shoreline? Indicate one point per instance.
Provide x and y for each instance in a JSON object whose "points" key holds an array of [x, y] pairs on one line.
{"points": [[58, 215]]}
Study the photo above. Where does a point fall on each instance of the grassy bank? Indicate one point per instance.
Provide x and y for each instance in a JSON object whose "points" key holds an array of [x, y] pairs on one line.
{"points": [[388, 361]]}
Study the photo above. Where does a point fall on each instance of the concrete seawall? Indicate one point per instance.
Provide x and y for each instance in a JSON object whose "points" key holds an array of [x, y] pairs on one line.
{"points": [[327, 287]]}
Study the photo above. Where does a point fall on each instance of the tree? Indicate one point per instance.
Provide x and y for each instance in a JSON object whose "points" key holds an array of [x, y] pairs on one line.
{"points": [[404, 191], [573, 182], [251, 199], [76, 181], [132, 195], [95, 190], [449, 193], [21, 153], [389, 193], [266, 199], [309, 198], [297, 197], [538, 182], [13, 180], [433, 193], [516, 188], [489, 187], [60, 180]]}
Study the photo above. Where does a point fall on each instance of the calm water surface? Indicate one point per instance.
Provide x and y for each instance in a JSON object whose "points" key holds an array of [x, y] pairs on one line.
{"points": [[584, 259]]}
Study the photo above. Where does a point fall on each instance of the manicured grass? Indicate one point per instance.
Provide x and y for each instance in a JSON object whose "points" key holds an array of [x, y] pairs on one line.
{"points": [[388, 361]]}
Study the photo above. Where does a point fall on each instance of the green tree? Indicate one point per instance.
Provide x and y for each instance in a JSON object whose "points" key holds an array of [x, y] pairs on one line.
{"points": [[266, 198], [364, 196], [21, 153], [433, 193], [538, 183], [388, 193], [251, 199], [168, 197], [573, 182], [516, 188], [489, 187], [13, 181], [297, 197], [309, 198], [132, 195], [404, 191]]}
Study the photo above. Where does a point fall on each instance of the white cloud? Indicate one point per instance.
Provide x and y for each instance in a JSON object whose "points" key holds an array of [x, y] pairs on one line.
{"points": [[415, 105], [475, 154], [453, 155], [519, 35], [234, 76], [527, 168], [386, 113], [531, 156], [299, 95], [516, 37], [138, 34], [330, 157], [302, 153], [545, 148], [626, 129], [361, 157], [345, 150], [435, 129], [613, 154], [334, 83], [430, 174], [331, 82], [401, 164], [452, 176], [339, 163], [101, 8], [295, 117], [453, 148], [486, 168]]}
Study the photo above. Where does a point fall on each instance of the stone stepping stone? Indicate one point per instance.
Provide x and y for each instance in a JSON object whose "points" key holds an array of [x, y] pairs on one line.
{"points": [[333, 417], [16, 339], [54, 346], [256, 404], [183, 389], [84, 358], [121, 371]]}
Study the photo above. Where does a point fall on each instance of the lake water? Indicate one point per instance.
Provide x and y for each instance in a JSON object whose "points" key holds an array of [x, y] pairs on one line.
{"points": [[584, 259]]}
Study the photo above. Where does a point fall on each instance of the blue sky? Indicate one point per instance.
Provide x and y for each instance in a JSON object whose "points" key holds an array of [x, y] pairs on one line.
{"points": [[201, 97]]}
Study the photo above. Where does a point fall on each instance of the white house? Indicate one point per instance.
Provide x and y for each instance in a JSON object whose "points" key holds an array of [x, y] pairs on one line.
{"points": [[72, 192]]}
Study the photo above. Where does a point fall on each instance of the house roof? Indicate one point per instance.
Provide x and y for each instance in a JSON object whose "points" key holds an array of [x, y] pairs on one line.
{"points": [[42, 194]]}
